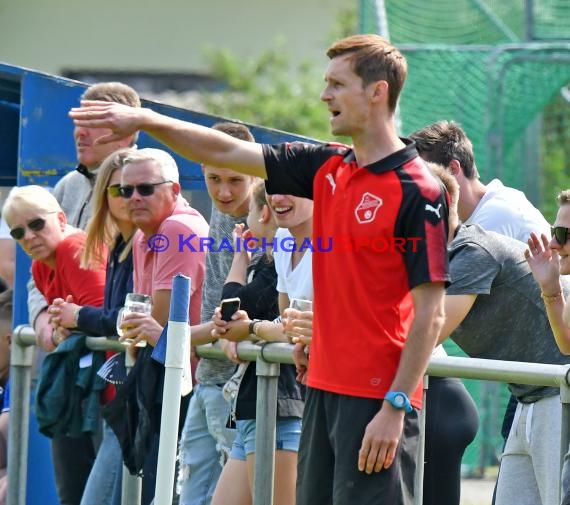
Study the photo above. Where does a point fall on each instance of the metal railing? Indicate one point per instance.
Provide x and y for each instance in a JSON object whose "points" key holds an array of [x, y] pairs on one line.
{"points": [[268, 357], [21, 360]]}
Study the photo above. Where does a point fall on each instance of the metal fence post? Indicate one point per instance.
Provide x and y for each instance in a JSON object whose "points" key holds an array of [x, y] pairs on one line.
{"points": [[265, 419], [21, 358], [176, 359], [419, 477], [131, 486], [565, 424]]}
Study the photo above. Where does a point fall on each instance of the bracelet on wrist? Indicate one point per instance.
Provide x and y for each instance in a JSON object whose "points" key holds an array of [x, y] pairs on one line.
{"points": [[551, 298]]}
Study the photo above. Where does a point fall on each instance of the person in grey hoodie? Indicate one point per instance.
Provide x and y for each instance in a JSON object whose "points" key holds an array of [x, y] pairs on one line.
{"points": [[205, 441]]}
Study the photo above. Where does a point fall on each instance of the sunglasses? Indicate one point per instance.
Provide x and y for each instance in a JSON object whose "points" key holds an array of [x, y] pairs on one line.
{"points": [[145, 189], [560, 233], [114, 190], [35, 225]]}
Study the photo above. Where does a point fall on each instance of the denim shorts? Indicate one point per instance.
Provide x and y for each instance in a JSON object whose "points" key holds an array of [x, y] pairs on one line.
{"points": [[287, 436]]}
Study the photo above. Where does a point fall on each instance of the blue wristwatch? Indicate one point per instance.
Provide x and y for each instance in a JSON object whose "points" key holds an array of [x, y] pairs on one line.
{"points": [[399, 400]]}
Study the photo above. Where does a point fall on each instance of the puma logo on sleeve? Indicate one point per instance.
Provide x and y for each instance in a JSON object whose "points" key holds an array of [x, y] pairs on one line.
{"points": [[435, 210]]}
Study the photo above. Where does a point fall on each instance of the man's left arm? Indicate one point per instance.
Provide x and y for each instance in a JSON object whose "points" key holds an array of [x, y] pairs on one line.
{"points": [[143, 327], [173, 260], [167, 264], [161, 305], [383, 433], [148, 328]]}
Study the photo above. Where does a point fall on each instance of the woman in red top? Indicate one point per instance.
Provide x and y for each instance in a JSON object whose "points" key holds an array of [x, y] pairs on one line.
{"points": [[39, 225]]}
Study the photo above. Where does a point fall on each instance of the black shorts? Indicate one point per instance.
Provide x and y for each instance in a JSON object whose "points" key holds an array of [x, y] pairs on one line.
{"points": [[327, 472]]}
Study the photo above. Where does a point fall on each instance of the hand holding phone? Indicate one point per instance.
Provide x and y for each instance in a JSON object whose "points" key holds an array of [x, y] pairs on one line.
{"points": [[228, 307]]}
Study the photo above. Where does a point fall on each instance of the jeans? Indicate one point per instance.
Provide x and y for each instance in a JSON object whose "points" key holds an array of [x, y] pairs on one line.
{"points": [[204, 445], [72, 459], [287, 435], [104, 484]]}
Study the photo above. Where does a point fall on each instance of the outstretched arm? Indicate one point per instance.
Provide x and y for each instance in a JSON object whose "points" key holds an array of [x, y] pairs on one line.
{"points": [[195, 142]]}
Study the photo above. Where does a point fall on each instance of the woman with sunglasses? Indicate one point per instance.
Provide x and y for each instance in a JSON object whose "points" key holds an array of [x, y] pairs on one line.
{"points": [[548, 260], [109, 226], [39, 225]]}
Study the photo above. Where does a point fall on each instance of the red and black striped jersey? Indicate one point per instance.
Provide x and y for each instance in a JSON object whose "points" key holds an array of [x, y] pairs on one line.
{"points": [[378, 231]]}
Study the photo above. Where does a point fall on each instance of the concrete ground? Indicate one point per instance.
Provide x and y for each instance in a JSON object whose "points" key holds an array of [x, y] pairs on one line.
{"points": [[477, 491]]}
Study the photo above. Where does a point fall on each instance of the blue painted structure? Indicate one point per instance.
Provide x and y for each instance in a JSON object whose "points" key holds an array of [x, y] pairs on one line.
{"points": [[36, 147]]}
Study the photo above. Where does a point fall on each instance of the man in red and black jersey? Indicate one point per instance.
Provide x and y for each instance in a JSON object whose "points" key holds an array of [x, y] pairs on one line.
{"points": [[379, 286]]}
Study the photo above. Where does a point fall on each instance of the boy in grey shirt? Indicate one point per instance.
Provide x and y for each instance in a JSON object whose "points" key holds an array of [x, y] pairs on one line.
{"points": [[206, 441]]}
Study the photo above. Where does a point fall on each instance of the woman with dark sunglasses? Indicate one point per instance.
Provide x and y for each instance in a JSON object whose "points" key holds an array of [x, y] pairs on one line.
{"points": [[549, 259], [109, 226], [39, 225]]}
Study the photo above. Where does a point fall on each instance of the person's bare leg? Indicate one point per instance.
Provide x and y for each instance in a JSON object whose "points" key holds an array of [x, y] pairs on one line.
{"points": [[285, 476], [234, 484]]}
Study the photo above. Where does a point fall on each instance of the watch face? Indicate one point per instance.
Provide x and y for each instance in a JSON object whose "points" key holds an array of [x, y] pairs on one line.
{"points": [[399, 401]]}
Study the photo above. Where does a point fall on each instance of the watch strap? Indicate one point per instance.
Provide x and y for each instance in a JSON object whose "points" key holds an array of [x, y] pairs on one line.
{"points": [[399, 400], [252, 326]]}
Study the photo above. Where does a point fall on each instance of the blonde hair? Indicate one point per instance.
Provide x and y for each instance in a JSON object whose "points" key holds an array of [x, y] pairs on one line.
{"points": [[101, 228], [32, 197], [259, 196], [448, 181]]}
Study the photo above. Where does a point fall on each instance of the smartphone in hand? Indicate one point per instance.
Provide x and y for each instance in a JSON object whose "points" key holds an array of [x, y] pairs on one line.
{"points": [[229, 306]]}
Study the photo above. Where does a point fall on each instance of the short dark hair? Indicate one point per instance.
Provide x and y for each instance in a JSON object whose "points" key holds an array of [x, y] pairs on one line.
{"points": [[373, 58], [444, 141], [237, 130], [112, 92]]}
